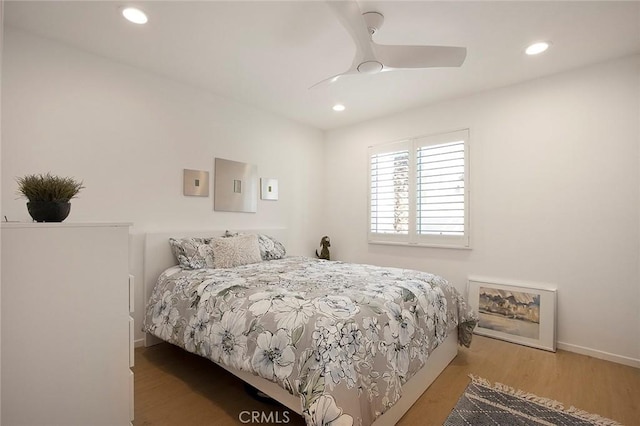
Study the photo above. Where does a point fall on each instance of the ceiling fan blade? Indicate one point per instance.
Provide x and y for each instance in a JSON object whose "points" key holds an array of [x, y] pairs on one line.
{"points": [[334, 78], [403, 57], [349, 14], [326, 80]]}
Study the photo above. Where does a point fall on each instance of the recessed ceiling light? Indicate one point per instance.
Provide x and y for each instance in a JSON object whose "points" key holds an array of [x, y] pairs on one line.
{"points": [[135, 15], [338, 107], [537, 48]]}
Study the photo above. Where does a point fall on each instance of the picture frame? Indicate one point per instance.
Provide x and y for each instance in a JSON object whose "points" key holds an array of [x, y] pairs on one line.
{"points": [[522, 313]]}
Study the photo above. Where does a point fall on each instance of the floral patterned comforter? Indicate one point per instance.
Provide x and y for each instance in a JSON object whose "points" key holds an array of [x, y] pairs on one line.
{"points": [[344, 337]]}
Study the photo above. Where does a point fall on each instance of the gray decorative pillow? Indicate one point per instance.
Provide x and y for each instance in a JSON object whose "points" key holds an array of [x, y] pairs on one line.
{"points": [[235, 251], [270, 248], [192, 253]]}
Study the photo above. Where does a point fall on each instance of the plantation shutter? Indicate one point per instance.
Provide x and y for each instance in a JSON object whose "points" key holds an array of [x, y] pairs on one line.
{"points": [[441, 189], [390, 189]]}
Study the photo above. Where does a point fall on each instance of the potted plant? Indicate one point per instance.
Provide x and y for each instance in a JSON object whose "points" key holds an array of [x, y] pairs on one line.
{"points": [[48, 195]]}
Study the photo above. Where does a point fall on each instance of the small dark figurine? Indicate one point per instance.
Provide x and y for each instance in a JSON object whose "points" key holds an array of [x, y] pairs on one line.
{"points": [[325, 243]]}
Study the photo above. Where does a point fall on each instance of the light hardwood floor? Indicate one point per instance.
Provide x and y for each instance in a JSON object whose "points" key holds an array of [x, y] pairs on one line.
{"points": [[173, 387]]}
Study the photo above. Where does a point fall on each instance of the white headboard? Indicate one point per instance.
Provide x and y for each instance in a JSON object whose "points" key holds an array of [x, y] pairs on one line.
{"points": [[158, 255]]}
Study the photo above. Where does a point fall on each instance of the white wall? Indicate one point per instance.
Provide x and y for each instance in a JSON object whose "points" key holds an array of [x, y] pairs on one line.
{"points": [[554, 197], [554, 169], [129, 134]]}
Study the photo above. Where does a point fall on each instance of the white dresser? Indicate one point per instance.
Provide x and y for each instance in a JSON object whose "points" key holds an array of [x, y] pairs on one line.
{"points": [[66, 340]]}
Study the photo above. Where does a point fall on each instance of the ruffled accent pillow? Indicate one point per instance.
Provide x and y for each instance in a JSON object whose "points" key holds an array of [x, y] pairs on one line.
{"points": [[235, 251], [270, 248], [192, 253]]}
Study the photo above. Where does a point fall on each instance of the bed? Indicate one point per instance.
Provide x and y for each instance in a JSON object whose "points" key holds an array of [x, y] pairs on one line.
{"points": [[335, 342]]}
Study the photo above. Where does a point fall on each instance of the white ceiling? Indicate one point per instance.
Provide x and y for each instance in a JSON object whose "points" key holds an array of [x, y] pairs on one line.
{"points": [[267, 54]]}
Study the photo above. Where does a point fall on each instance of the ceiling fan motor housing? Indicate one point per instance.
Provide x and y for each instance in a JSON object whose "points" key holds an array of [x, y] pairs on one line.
{"points": [[370, 67]]}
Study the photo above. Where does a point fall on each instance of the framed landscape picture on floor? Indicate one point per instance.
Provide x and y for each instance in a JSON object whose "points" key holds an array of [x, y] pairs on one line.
{"points": [[522, 313]]}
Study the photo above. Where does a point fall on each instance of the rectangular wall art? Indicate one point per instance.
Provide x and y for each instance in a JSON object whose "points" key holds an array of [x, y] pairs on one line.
{"points": [[519, 313], [269, 189], [235, 187]]}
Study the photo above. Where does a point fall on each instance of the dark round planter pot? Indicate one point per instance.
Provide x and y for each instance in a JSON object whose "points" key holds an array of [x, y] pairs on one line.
{"points": [[48, 211]]}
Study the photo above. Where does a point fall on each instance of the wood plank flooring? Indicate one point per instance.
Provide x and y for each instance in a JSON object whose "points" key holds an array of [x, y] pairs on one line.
{"points": [[175, 388]]}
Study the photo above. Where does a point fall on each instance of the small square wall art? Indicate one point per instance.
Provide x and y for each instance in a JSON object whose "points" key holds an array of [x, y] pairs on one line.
{"points": [[269, 189], [195, 183]]}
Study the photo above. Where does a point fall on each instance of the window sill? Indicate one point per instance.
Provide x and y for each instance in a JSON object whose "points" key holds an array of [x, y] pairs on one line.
{"points": [[423, 245]]}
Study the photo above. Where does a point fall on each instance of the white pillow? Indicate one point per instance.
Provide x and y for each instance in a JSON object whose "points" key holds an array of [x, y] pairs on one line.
{"points": [[235, 251]]}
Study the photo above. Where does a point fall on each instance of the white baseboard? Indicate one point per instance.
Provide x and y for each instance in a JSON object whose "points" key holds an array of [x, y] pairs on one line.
{"points": [[632, 362], [138, 343]]}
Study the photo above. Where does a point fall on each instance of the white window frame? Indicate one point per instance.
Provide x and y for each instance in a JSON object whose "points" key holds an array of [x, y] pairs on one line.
{"points": [[412, 237]]}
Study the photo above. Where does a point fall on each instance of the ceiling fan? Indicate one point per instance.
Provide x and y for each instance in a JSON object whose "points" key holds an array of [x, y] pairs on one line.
{"points": [[372, 58]]}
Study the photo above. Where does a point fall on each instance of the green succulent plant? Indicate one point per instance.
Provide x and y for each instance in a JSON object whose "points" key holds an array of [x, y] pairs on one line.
{"points": [[48, 187]]}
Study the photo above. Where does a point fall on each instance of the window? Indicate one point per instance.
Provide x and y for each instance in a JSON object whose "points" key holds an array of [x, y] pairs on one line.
{"points": [[419, 191]]}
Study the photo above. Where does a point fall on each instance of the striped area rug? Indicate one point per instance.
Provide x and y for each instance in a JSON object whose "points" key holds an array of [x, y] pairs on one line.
{"points": [[485, 404]]}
